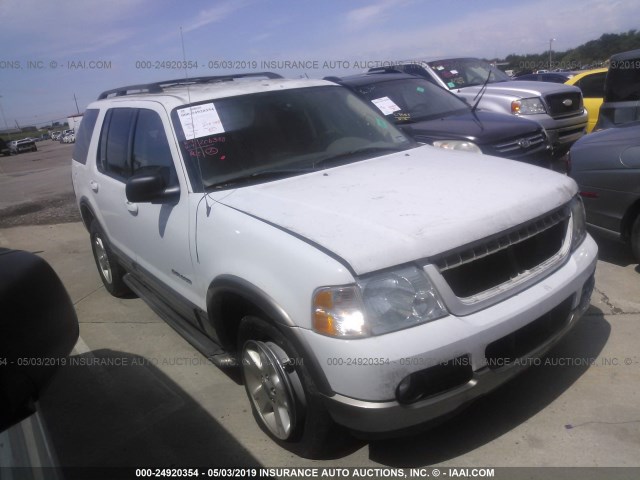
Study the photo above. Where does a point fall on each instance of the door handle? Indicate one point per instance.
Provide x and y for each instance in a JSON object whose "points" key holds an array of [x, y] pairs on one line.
{"points": [[94, 186], [132, 207]]}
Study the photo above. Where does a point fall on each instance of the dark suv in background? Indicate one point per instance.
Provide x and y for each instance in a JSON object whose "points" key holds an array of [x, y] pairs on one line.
{"points": [[435, 116], [621, 91]]}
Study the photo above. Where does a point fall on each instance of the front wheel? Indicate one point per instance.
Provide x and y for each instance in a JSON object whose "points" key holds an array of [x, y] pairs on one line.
{"points": [[283, 397]]}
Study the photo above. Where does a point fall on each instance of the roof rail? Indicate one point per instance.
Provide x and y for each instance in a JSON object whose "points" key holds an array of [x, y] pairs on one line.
{"points": [[158, 87], [389, 69]]}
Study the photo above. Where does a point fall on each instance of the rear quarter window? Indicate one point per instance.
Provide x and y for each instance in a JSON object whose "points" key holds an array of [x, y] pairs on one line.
{"points": [[84, 134]]}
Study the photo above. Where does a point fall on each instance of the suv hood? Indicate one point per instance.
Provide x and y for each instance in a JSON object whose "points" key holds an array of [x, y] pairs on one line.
{"points": [[405, 206], [520, 89]]}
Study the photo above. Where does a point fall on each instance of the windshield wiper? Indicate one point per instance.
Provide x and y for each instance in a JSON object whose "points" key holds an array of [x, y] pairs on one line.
{"points": [[258, 176], [354, 153], [480, 94]]}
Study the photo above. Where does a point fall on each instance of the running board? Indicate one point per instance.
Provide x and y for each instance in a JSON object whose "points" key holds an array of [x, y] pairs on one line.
{"points": [[210, 349]]}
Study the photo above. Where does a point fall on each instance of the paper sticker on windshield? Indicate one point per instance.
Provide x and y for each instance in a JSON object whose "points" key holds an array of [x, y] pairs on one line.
{"points": [[420, 89], [451, 85], [439, 67], [385, 105], [454, 72], [200, 121]]}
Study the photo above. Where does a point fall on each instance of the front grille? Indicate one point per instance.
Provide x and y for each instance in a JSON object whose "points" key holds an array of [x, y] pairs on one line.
{"points": [[520, 145], [509, 348], [564, 104], [477, 268]]}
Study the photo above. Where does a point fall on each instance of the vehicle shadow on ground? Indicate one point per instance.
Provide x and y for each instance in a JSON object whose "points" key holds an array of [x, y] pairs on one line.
{"points": [[504, 409], [114, 409]]}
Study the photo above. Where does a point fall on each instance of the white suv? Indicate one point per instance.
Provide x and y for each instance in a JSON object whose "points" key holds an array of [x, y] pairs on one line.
{"points": [[357, 278]]}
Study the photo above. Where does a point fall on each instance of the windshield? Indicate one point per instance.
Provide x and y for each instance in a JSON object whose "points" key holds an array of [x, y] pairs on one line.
{"points": [[270, 135], [466, 72], [411, 100]]}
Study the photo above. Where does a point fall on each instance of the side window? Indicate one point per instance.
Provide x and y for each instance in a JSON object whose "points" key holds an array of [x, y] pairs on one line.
{"points": [[114, 148], [151, 150], [592, 86], [84, 134]]}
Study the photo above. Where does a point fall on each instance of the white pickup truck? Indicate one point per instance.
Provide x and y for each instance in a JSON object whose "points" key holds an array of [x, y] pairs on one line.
{"points": [[356, 278]]}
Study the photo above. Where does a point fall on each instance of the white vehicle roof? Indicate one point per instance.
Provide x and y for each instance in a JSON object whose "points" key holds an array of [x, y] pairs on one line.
{"points": [[184, 93]]}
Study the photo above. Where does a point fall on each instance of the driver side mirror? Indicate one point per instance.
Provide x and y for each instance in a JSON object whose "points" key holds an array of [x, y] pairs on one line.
{"points": [[150, 187]]}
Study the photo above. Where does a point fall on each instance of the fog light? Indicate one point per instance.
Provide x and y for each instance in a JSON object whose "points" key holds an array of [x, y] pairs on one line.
{"points": [[408, 390]]}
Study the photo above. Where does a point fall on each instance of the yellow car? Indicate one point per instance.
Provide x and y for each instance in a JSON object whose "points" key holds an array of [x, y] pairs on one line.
{"points": [[591, 82]]}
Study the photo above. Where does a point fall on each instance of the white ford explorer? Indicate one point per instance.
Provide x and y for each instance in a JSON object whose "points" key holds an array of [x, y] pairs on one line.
{"points": [[356, 278]]}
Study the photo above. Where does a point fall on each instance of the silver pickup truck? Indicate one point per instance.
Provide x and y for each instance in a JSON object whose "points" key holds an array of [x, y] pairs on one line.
{"points": [[558, 108]]}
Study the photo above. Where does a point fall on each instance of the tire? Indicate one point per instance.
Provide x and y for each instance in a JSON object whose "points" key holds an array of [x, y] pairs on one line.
{"points": [[305, 427], [111, 272], [635, 238]]}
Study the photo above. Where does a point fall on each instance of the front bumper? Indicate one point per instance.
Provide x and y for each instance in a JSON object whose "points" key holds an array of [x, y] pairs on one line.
{"points": [[365, 390]]}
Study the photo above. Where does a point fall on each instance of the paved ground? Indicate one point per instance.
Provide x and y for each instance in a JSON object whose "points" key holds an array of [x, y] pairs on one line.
{"points": [[139, 395]]}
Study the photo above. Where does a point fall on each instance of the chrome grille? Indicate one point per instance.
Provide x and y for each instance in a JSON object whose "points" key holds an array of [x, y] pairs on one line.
{"points": [[520, 144], [564, 104]]}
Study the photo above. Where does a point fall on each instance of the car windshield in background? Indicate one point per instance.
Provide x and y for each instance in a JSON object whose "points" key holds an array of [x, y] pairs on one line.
{"points": [[467, 72], [411, 100], [269, 135]]}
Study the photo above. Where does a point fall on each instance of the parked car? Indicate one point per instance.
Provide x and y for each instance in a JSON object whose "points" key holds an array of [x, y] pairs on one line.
{"points": [[68, 138], [590, 82], [558, 108], [4, 148], [287, 229], [37, 336], [622, 91], [433, 115], [606, 165], [56, 136], [24, 145]]}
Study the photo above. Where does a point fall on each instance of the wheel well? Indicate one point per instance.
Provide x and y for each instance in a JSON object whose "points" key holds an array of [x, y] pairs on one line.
{"points": [[87, 215], [226, 310], [627, 221]]}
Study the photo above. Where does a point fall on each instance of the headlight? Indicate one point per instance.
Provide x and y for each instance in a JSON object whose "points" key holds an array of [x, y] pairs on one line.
{"points": [[527, 106], [379, 304], [578, 222], [458, 145]]}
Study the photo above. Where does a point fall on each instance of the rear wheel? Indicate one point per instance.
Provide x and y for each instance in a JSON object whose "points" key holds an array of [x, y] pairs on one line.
{"points": [[111, 272], [283, 398], [635, 238]]}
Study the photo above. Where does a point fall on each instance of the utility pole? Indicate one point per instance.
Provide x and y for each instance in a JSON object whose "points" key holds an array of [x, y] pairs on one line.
{"points": [[551, 40], [76, 100]]}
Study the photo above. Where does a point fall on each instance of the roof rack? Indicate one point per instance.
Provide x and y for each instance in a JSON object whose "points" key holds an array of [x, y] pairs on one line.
{"points": [[158, 87], [384, 70]]}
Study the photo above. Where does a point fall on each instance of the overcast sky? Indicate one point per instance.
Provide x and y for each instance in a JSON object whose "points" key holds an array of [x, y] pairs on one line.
{"points": [[52, 50]]}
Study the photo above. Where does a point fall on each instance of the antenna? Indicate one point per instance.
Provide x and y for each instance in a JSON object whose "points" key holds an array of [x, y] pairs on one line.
{"points": [[193, 128]]}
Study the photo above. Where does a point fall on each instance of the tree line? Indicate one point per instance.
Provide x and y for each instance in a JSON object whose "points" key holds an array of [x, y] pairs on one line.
{"points": [[592, 54]]}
